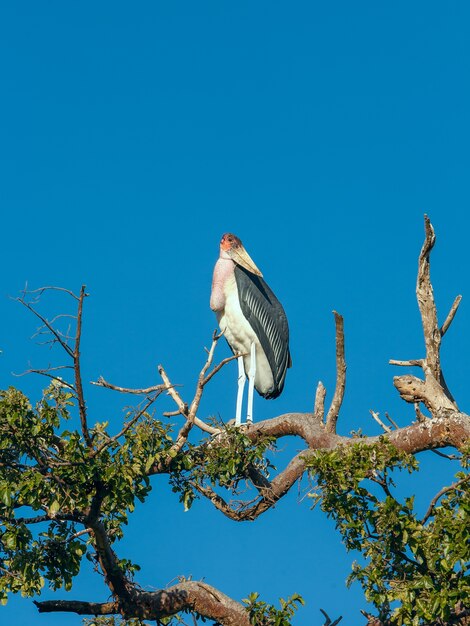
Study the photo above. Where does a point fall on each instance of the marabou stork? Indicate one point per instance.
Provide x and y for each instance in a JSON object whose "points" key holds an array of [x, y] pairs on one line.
{"points": [[253, 322]]}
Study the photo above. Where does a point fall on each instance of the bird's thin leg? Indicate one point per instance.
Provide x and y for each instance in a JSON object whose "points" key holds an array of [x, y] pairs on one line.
{"points": [[241, 386], [251, 384]]}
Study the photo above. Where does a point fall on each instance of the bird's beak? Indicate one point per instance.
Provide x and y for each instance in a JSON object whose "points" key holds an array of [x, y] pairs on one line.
{"points": [[241, 257]]}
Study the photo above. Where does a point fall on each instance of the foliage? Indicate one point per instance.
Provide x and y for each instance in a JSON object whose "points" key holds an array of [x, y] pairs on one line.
{"points": [[263, 614], [414, 571], [52, 480], [219, 465]]}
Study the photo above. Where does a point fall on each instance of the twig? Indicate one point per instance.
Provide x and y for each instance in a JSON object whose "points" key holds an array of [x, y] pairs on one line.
{"points": [[392, 422], [203, 379], [183, 407], [45, 372], [375, 415], [439, 495], [78, 375], [450, 457], [101, 382], [41, 290], [126, 427], [64, 345], [218, 367], [333, 412]]}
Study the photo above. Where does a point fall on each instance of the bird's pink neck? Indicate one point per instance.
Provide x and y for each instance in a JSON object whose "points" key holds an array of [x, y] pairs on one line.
{"points": [[223, 270]]}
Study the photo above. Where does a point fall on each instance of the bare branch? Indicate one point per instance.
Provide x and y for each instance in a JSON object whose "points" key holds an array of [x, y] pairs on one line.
{"points": [[182, 406], [392, 422], [45, 372], [426, 303], [376, 417], [218, 367], [319, 407], [410, 363], [51, 329], [333, 412], [41, 290], [450, 317]]}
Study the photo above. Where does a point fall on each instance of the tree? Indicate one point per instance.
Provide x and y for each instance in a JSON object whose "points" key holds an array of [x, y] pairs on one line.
{"points": [[65, 495]]}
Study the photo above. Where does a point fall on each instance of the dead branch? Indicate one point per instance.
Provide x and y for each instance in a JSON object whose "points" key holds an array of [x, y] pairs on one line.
{"points": [[182, 406], [46, 372], [376, 417], [433, 391], [41, 290], [337, 401], [450, 316], [410, 363], [319, 406], [46, 324], [426, 303], [101, 382]]}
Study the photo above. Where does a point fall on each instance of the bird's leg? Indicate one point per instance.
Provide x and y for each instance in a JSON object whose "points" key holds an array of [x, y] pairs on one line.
{"points": [[241, 386], [251, 383]]}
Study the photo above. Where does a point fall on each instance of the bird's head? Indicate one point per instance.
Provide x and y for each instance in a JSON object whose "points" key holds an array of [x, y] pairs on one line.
{"points": [[231, 247]]}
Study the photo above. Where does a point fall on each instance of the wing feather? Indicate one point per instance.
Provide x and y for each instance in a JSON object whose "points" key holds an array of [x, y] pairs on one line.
{"points": [[267, 317]]}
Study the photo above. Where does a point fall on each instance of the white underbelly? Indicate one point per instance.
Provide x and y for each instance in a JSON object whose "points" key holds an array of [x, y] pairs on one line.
{"points": [[240, 336]]}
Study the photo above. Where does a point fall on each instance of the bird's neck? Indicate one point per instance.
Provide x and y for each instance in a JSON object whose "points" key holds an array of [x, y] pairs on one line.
{"points": [[223, 272]]}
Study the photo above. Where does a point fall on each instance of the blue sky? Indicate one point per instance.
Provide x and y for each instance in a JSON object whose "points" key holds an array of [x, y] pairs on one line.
{"points": [[133, 136]]}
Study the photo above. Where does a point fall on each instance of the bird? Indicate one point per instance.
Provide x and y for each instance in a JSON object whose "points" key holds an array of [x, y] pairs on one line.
{"points": [[253, 322]]}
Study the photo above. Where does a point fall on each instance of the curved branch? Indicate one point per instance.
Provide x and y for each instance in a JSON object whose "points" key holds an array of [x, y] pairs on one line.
{"points": [[442, 431]]}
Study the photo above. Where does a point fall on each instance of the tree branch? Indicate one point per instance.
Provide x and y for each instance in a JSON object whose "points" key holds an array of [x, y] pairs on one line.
{"points": [[76, 606], [192, 596]]}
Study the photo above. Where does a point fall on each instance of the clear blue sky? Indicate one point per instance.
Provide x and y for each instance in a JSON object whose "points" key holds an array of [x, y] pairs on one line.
{"points": [[133, 135]]}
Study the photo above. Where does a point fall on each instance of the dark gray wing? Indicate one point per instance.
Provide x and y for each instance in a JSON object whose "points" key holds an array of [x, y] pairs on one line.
{"points": [[267, 318]]}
